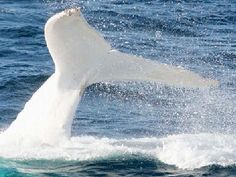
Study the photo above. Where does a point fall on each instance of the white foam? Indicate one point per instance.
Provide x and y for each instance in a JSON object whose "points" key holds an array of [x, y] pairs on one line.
{"points": [[184, 151], [194, 151]]}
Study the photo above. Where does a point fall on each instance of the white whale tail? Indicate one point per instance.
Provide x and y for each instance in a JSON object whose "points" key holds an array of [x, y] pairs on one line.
{"points": [[82, 57], [77, 49]]}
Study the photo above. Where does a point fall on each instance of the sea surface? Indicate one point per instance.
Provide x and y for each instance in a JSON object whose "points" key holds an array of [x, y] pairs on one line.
{"points": [[129, 128]]}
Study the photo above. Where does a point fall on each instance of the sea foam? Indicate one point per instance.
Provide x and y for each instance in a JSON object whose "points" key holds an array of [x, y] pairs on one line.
{"points": [[187, 151]]}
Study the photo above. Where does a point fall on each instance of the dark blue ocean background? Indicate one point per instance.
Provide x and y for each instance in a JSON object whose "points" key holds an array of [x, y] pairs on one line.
{"points": [[197, 35]]}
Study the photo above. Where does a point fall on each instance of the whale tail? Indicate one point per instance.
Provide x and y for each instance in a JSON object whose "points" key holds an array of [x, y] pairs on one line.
{"points": [[78, 49], [82, 57]]}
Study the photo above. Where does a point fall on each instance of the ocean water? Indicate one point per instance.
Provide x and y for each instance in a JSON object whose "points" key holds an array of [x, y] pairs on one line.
{"points": [[128, 128]]}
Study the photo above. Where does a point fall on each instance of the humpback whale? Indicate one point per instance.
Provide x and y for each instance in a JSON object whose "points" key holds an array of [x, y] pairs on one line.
{"points": [[83, 57]]}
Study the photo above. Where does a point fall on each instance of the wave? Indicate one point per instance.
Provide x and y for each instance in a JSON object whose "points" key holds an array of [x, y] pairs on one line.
{"points": [[22, 82], [186, 151], [20, 32]]}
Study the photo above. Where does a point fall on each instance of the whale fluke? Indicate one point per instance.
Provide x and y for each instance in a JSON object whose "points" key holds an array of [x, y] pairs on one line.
{"points": [[78, 49], [82, 57]]}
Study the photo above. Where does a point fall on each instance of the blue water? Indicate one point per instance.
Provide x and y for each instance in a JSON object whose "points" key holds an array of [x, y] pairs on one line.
{"points": [[198, 35]]}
